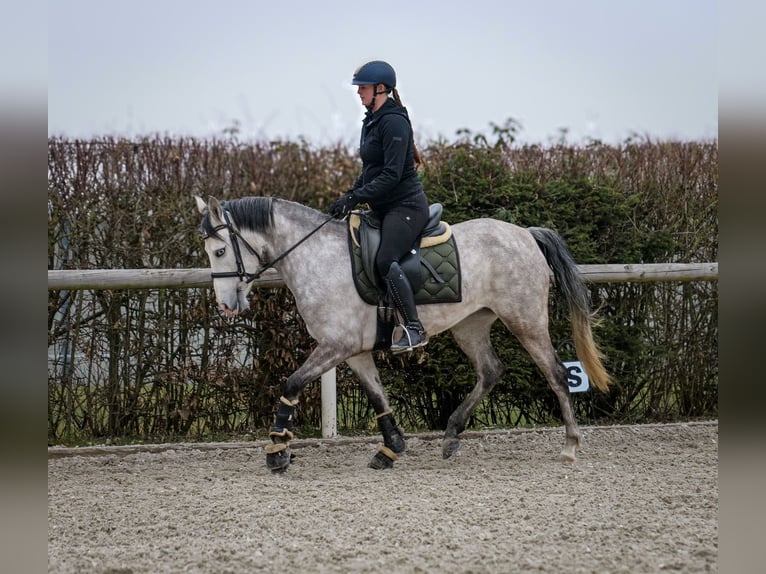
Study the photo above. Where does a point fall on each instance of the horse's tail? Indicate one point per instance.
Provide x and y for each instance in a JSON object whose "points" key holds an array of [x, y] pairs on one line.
{"points": [[573, 287]]}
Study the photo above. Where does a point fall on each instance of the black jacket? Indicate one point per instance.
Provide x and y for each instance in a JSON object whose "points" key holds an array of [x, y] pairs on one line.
{"points": [[388, 164]]}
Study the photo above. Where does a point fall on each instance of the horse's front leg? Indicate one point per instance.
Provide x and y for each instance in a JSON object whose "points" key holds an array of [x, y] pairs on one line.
{"points": [[279, 453], [393, 440]]}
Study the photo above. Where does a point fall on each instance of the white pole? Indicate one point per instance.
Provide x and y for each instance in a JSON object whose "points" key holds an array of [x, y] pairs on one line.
{"points": [[329, 405]]}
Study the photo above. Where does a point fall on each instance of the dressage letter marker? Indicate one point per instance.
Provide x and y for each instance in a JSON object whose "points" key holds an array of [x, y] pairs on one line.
{"points": [[577, 378]]}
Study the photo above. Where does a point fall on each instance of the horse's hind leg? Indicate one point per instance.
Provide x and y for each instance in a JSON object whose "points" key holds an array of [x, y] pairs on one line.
{"points": [[472, 334], [539, 346], [393, 440]]}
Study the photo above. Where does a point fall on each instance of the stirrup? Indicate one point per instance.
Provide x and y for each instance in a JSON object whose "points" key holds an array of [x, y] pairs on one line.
{"points": [[405, 342]]}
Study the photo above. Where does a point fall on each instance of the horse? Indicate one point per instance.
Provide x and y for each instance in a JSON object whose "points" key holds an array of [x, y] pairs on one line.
{"points": [[506, 275]]}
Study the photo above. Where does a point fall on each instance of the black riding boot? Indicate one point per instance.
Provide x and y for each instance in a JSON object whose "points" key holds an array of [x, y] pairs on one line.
{"points": [[401, 294]]}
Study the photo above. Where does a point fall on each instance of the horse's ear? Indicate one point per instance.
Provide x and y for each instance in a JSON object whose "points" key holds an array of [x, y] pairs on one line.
{"points": [[201, 205], [216, 211]]}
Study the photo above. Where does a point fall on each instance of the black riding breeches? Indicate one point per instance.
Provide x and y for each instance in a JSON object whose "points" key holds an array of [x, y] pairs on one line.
{"points": [[400, 229]]}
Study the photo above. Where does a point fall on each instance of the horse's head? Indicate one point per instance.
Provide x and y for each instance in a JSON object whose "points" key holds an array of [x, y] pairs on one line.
{"points": [[226, 259]]}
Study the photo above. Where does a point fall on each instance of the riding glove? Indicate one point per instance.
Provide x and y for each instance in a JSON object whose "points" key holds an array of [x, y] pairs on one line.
{"points": [[343, 205]]}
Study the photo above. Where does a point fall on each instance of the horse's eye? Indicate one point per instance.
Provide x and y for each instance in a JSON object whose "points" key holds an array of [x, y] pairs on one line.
{"points": [[220, 252]]}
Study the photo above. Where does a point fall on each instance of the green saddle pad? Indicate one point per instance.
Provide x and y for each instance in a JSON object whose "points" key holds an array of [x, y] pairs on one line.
{"points": [[442, 258]]}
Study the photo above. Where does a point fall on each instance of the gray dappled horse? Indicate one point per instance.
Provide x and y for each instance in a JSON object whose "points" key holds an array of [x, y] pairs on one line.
{"points": [[505, 275]]}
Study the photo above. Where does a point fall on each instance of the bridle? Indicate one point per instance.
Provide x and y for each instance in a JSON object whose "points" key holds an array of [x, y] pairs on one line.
{"points": [[236, 237]]}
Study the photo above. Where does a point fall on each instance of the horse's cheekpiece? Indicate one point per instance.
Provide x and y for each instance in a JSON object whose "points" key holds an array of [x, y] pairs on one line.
{"points": [[433, 267]]}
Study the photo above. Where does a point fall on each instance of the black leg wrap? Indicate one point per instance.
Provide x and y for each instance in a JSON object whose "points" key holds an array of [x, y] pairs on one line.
{"points": [[283, 422], [278, 453], [392, 436], [383, 459]]}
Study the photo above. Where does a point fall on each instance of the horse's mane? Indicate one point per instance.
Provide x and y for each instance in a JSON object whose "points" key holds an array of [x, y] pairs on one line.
{"points": [[251, 213]]}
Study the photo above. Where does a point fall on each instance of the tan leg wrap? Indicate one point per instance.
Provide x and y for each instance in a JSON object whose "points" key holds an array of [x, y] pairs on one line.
{"points": [[288, 402], [381, 415], [284, 433], [275, 447], [388, 452]]}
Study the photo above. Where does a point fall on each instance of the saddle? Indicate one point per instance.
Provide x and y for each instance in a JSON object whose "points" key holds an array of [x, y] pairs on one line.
{"points": [[432, 265]]}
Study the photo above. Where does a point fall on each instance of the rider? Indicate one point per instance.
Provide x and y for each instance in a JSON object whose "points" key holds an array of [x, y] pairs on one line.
{"points": [[389, 184]]}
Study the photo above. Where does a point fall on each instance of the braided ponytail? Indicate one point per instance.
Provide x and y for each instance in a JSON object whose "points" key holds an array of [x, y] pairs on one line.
{"points": [[415, 152]]}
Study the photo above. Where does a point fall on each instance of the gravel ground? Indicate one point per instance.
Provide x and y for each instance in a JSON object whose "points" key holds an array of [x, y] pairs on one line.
{"points": [[638, 499]]}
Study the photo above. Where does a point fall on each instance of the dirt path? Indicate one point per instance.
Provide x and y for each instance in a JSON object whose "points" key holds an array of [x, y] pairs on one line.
{"points": [[639, 499]]}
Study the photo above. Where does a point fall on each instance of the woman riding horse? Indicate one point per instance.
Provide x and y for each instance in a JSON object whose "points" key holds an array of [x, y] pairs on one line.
{"points": [[389, 184]]}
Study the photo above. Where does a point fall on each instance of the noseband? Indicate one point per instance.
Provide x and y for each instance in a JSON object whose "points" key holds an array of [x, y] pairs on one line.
{"points": [[235, 237]]}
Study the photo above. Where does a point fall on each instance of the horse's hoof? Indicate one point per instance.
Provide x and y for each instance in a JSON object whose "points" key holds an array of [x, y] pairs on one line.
{"points": [[569, 452], [383, 459], [278, 457], [278, 462], [567, 457], [450, 447]]}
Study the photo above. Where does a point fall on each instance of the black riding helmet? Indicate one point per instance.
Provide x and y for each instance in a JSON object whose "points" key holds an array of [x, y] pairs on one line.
{"points": [[375, 72]]}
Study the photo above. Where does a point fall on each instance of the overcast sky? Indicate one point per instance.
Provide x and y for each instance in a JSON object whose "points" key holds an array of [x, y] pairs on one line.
{"points": [[601, 69]]}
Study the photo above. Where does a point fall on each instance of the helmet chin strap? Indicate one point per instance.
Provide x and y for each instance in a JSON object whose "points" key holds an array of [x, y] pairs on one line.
{"points": [[375, 93]]}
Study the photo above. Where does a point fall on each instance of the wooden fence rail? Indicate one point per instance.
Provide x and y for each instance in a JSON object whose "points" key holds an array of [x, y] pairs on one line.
{"points": [[73, 279], [168, 278]]}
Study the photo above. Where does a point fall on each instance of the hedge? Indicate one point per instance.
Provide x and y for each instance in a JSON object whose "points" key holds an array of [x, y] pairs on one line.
{"points": [[164, 365]]}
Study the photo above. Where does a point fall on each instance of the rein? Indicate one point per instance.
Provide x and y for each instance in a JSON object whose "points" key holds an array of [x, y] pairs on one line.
{"points": [[235, 235]]}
